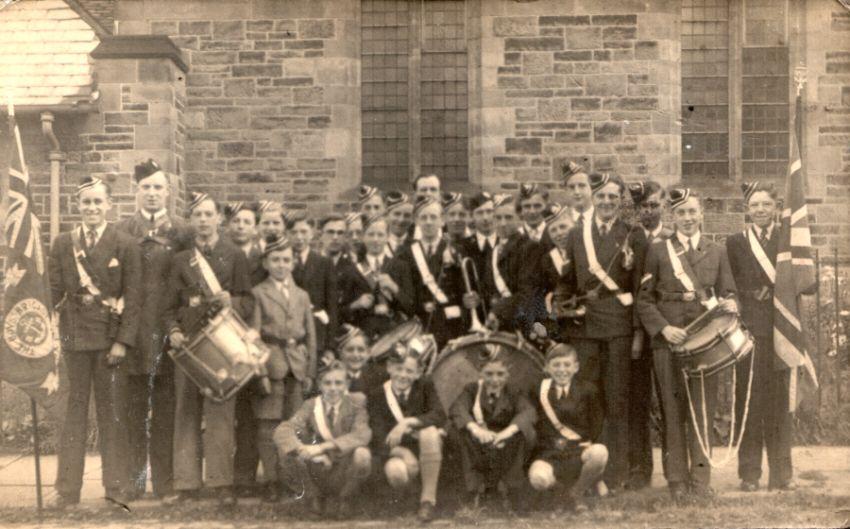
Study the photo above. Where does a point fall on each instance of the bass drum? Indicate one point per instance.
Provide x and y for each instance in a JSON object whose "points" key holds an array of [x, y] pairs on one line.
{"points": [[461, 360], [402, 333]]}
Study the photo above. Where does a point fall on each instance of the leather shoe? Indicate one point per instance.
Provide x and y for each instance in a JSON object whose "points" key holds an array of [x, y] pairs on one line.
{"points": [[702, 490], [749, 486], [426, 512], [788, 486], [678, 493], [61, 503]]}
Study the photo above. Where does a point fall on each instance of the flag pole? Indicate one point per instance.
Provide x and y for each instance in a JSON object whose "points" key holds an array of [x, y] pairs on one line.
{"points": [[34, 407], [37, 452]]}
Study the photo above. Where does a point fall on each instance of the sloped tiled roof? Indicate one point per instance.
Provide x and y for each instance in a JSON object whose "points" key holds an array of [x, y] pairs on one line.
{"points": [[45, 53], [102, 11]]}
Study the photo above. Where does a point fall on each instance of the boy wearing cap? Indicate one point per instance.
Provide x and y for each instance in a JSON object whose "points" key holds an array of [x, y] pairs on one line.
{"points": [[494, 424], [208, 277], [315, 274], [282, 315], [531, 205], [150, 416], [578, 187], [95, 275], [457, 216], [552, 267], [326, 444], [353, 350], [354, 235], [376, 293], [752, 258], [242, 221], [370, 201], [406, 416], [271, 221], [685, 275], [604, 260], [569, 424], [400, 218], [479, 247]]}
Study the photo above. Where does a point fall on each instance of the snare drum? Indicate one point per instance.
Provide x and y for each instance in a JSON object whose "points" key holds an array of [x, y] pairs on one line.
{"points": [[461, 360], [400, 334], [222, 357], [716, 340]]}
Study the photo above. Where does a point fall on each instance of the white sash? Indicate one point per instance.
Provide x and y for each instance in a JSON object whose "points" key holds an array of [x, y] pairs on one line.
{"points": [[501, 286], [425, 272], [564, 430], [625, 298], [117, 305], [477, 412], [207, 272], [761, 257], [558, 260], [321, 420], [682, 276], [392, 402]]}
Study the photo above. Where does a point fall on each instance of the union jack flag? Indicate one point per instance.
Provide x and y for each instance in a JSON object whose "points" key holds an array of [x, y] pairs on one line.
{"points": [[795, 275], [29, 351]]}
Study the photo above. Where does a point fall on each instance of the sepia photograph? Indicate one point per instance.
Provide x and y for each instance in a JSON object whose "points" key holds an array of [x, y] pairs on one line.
{"points": [[396, 263]]}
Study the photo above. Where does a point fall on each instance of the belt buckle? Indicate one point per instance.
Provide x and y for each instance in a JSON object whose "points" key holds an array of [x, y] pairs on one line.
{"points": [[87, 299], [592, 295], [689, 296]]}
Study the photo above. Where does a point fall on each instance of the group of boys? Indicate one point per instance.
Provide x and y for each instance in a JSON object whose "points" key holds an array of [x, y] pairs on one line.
{"points": [[615, 297]]}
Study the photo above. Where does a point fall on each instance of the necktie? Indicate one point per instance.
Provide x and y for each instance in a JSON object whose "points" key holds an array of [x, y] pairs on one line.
{"points": [[487, 248], [207, 250], [763, 237], [603, 230], [402, 399], [331, 416], [91, 238], [284, 290]]}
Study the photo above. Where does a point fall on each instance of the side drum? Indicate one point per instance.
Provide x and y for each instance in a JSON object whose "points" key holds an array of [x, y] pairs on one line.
{"points": [[716, 340], [401, 333], [461, 360], [222, 357]]}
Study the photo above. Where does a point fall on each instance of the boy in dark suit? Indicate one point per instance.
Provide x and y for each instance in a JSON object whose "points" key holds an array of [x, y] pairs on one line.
{"points": [[399, 217], [95, 275], [326, 443], [457, 216], [241, 220], [353, 350], [752, 258], [406, 418], [159, 235], [282, 315], [604, 260], [206, 278], [270, 221], [667, 302], [569, 424], [495, 427], [315, 274]]}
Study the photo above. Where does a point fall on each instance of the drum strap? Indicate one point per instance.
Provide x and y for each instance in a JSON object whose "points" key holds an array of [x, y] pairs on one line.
{"points": [[477, 412], [203, 267], [558, 260], [321, 420], [425, 273], [115, 305], [761, 257], [392, 402], [625, 298], [501, 286], [564, 430], [684, 275]]}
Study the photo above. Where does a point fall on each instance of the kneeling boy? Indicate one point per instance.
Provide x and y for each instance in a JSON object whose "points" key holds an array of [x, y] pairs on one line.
{"points": [[326, 441], [569, 422], [406, 416], [495, 425]]}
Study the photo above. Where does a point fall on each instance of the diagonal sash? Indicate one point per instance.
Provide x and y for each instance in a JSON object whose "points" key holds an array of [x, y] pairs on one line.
{"points": [[321, 420], [203, 267], [564, 430], [761, 257], [557, 260], [477, 412], [499, 281], [684, 275], [625, 298], [392, 402], [80, 258], [425, 273]]}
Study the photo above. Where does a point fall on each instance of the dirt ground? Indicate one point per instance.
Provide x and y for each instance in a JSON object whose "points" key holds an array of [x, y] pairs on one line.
{"points": [[822, 500]]}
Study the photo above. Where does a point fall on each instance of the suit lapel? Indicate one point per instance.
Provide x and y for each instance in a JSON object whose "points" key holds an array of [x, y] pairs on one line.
{"points": [[276, 295], [701, 251]]}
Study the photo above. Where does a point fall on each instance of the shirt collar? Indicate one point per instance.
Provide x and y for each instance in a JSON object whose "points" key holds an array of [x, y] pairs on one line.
{"points": [[768, 230], [334, 406], [482, 239], [246, 248], [99, 231], [304, 253], [654, 233], [608, 224], [155, 216], [281, 285], [562, 390], [534, 233], [694, 239]]}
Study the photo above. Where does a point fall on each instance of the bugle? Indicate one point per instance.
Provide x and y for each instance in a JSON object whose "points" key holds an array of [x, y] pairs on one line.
{"points": [[465, 265]]}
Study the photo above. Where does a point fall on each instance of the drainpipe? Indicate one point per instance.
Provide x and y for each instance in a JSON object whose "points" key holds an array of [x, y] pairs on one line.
{"points": [[56, 159]]}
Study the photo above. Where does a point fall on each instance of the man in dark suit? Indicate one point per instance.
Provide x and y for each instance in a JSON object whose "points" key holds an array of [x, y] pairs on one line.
{"points": [[241, 218], [667, 302], [193, 296], [159, 235], [531, 205], [604, 258], [316, 274], [752, 257], [435, 267], [578, 187], [479, 246], [400, 218], [648, 198], [95, 276]]}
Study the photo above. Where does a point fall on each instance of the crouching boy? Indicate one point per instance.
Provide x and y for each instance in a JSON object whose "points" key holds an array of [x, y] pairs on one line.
{"points": [[406, 417], [282, 315], [495, 425], [569, 421], [325, 443]]}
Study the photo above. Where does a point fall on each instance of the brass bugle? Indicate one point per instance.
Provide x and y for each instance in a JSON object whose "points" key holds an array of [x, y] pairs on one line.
{"points": [[465, 265]]}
